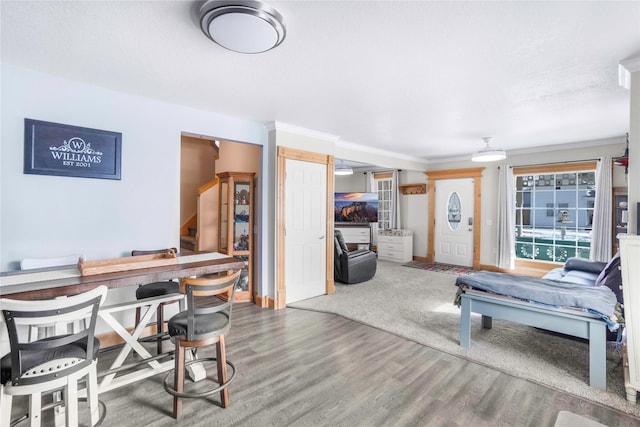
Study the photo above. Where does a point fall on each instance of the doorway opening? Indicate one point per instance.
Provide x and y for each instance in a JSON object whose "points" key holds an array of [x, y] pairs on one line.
{"points": [[202, 159]]}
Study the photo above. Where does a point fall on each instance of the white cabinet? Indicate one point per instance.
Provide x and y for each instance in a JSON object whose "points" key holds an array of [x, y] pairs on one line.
{"points": [[395, 245], [630, 269], [356, 234]]}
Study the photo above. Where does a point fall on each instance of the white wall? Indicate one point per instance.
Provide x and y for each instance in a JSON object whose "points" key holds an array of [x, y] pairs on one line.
{"points": [[589, 150], [414, 210], [413, 207], [48, 216], [45, 216], [384, 160], [350, 183]]}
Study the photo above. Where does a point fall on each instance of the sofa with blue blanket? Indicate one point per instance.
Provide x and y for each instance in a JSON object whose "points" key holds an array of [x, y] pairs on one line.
{"points": [[595, 287], [577, 270], [592, 273]]}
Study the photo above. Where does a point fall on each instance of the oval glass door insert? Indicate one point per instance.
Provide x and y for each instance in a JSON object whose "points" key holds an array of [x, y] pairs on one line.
{"points": [[453, 210]]}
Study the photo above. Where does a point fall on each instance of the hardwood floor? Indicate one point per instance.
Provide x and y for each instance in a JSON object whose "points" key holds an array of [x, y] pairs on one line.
{"points": [[305, 368]]}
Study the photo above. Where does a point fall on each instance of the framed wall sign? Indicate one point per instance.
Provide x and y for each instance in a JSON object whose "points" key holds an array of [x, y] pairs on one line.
{"points": [[64, 150]]}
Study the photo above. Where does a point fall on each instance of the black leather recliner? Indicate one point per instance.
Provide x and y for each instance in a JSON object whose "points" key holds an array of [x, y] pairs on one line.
{"points": [[352, 267]]}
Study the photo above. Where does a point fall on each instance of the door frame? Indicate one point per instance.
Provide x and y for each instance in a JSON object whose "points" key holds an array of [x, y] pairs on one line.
{"points": [[432, 177], [284, 154]]}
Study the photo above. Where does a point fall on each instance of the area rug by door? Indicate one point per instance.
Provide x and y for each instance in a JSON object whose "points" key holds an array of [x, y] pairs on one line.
{"points": [[418, 305], [439, 268]]}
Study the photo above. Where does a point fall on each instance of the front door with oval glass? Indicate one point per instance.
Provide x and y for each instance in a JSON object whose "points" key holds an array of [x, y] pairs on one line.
{"points": [[454, 221]]}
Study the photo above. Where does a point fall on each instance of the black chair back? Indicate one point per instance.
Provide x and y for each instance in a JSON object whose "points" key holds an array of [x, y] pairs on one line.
{"points": [[35, 362], [340, 245], [198, 292]]}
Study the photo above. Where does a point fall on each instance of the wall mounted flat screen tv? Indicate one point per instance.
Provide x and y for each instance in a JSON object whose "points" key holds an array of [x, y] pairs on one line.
{"points": [[356, 207]]}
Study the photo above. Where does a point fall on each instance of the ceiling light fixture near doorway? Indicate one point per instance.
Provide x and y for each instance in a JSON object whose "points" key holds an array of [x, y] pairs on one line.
{"points": [[342, 169], [243, 26], [488, 154]]}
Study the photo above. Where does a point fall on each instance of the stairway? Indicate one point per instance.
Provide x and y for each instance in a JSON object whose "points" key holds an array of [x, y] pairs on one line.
{"points": [[188, 242]]}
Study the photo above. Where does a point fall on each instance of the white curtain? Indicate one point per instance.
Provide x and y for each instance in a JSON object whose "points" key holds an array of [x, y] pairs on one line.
{"points": [[506, 226], [601, 232], [372, 188], [371, 182], [395, 221]]}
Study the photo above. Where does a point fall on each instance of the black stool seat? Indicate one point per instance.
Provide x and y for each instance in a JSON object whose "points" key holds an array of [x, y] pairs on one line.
{"points": [[55, 365], [33, 358], [156, 289], [202, 324]]}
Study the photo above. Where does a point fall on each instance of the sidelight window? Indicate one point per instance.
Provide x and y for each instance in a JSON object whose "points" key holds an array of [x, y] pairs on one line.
{"points": [[385, 189]]}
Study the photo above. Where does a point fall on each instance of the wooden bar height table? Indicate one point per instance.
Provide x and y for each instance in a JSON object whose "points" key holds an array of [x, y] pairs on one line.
{"points": [[65, 281]]}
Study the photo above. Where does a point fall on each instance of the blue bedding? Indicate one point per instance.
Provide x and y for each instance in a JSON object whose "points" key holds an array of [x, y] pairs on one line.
{"points": [[599, 300]]}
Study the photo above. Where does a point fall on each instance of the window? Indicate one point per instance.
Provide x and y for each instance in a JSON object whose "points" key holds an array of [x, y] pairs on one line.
{"points": [[384, 187], [554, 211]]}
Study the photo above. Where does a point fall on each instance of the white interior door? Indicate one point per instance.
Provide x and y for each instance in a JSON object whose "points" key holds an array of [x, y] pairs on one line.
{"points": [[454, 221], [305, 228]]}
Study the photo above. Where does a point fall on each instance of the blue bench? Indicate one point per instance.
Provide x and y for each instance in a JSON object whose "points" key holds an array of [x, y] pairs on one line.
{"points": [[567, 321]]}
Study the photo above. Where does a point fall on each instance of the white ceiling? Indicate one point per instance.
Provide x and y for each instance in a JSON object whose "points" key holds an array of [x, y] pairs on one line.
{"points": [[420, 78]]}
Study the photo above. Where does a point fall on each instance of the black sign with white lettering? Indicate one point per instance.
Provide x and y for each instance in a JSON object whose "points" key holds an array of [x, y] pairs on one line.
{"points": [[57, 149]]}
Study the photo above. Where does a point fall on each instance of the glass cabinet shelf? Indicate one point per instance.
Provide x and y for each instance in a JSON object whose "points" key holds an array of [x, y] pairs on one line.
{"points": [[236, 224]]}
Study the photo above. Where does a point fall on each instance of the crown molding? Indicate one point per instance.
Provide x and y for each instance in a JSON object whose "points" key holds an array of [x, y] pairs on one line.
{"points": [[371, 150], [568, 146], [297, 130], [539, 149], [625, 68], [449, 159]]}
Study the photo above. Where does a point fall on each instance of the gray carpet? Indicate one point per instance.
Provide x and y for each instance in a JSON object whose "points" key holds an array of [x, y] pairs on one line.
{"points": [[418, 305]]}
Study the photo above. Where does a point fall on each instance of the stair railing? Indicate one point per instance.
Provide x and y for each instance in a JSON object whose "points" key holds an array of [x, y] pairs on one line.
{"points": [[207, 216]]}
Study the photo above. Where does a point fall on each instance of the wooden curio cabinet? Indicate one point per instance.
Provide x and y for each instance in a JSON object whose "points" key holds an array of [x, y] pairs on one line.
{"points": [[236, 225]]}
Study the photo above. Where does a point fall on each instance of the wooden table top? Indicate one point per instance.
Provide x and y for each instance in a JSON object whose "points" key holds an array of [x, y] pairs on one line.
{"points": [[67, 280]]}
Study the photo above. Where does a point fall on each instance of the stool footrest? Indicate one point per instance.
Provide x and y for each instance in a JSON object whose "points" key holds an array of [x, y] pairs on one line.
{"points": [[160, 336], [201, 394]]}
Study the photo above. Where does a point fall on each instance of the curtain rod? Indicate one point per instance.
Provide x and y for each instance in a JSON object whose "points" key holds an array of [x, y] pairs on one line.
{"points": [[555, 163]]}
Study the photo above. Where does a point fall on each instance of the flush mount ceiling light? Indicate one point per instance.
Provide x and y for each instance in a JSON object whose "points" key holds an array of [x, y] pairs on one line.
{"points": [[488, 154], [243, 26], [342, 169]]}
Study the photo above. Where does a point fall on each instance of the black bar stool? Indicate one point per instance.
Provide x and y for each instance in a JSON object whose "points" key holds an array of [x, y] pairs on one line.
{"points": [[156, 289], [205, 321]]}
